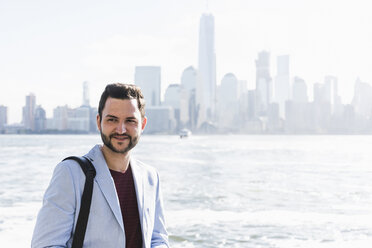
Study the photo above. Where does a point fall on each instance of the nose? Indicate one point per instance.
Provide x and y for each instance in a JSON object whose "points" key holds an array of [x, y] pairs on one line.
{"points": [[120, 128]]}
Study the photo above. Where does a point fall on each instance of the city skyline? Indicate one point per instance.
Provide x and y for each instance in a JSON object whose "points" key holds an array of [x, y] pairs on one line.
{"points": [[149, 78], [49, 51], [238, 110]]}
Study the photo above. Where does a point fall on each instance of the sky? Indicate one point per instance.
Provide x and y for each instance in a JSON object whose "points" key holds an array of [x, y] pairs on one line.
{"points": [[51, 47]]}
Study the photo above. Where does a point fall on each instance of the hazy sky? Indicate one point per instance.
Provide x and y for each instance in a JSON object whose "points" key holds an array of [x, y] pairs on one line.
{"points": [[50, 47]]}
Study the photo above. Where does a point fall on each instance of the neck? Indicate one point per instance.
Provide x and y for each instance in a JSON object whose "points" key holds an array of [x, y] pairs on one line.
{"points": [[116, 161]]}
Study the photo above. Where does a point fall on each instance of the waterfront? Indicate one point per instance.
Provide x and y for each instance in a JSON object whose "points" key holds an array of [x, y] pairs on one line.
{"points": [[219, 191]]}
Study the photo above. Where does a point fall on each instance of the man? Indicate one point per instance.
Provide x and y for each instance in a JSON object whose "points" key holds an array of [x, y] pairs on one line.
{"points": [[126, 209]]}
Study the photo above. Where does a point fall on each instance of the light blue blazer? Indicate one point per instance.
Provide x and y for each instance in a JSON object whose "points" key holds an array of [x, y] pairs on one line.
{"points": [[57, 218]]}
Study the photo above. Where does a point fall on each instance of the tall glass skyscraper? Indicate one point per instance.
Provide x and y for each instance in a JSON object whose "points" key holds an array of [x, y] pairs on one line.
{"points": [[3, 116], [86, 101], [263, 82], [206, 90], [282, 86], [148, 79], [29, 112]]}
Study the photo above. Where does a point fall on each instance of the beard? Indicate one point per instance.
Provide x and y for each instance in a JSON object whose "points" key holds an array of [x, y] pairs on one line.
{"points": [[107, 140]]}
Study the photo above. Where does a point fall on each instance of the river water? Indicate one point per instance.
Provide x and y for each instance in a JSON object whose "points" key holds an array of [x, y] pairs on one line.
{"points": [[219, 191]]}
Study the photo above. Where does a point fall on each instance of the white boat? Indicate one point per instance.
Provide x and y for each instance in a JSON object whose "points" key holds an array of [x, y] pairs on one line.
{"points": [[184, 133]]}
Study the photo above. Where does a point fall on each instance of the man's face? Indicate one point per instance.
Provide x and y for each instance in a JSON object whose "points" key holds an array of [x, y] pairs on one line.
{"points": [[121, 124]]}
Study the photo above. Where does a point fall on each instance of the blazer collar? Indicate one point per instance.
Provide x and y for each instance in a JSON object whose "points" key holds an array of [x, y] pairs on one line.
{"points": [[139, 185], [107, 184]]}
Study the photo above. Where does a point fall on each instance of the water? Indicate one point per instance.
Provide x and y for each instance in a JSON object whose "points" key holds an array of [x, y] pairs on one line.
{"points": [[219, 191]]}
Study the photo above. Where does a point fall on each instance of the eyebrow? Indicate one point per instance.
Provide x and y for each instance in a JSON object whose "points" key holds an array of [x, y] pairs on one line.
{"points": [[131, 118], [128, 118]]}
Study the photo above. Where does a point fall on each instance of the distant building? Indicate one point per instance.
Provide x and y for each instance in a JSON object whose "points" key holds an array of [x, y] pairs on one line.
{"points": [[189, 78], [79, 119], [3, 116], [228, 103], [331, 94], [86, 101], [349, 119], [189, 81], [40, 119], [177, 98], [149, 80], [93, 123], [17, 128], [362, 100], [331, 89], [299, 117], [243, 102], [282, 86], [264, 87], [252, 123], [252, 108], [242, 87], [172, 96], [29, 112], [274, 121], [60, 118], [92, 111], [160, 119], [299, 91], [50, 125], [206, 89], [322, 108]]}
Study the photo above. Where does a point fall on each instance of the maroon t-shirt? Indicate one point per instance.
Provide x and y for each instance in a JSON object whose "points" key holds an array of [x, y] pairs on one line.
{"points": [[126, 191]]}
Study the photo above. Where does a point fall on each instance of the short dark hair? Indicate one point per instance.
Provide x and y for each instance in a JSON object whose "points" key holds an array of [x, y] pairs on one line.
{"points": [[122, 91]]}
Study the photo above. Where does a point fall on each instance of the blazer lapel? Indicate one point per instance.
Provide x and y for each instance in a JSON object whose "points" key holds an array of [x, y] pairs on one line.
{"points": [[139, 186], [106, 183]]}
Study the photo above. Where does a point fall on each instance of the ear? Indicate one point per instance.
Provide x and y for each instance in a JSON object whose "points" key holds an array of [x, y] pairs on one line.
{"points": [[144, 121], [98, 122]]}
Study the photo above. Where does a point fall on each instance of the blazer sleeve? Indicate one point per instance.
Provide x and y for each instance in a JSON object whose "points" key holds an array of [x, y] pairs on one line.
{"points": [[159, 237], [55, 220]]}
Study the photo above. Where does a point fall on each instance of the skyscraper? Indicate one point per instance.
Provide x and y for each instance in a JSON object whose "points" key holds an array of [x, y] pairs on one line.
{"points": [[206, 90], [228, 102], [177, 97], [229, 89], [299, 92], [40, 119], [60, 117], [148, 79], [362, 100], [29, 112], [3, 116], [330, 87], [263, 83], [189, 81], [85, 93], [189, 78], [282, 89], [331, 93], [319, 93]]}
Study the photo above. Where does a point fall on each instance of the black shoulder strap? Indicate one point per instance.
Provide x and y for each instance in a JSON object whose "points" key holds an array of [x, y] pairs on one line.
{"points": [[86, 200]]}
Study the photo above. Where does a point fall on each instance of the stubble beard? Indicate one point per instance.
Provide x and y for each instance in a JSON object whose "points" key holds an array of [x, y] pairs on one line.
{"points": [[107, 142]]}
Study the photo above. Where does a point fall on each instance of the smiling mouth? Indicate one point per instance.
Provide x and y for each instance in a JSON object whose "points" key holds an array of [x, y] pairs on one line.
{"points": [[120, 137]]}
